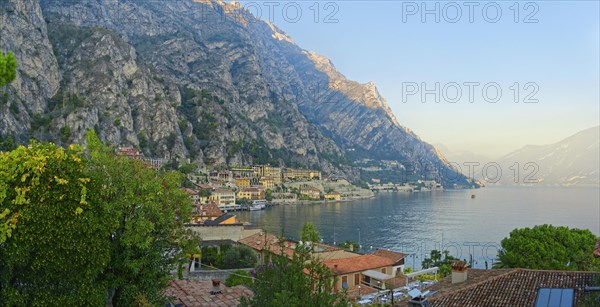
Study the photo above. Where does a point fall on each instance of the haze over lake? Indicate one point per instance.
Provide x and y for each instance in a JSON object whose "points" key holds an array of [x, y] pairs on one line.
{"points": [[418, 222]]}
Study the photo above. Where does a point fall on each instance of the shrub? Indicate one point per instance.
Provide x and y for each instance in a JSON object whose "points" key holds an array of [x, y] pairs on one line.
{"points": [[239, 277]]}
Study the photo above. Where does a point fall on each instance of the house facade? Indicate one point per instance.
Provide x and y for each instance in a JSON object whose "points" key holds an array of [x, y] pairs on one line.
{"points": [[223, 197], [364, 270], [251, 193]]}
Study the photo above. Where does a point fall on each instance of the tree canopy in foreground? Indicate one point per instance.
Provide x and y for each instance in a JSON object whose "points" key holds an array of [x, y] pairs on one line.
{"points": [[80, 230], [301, 281], [548, 247]]}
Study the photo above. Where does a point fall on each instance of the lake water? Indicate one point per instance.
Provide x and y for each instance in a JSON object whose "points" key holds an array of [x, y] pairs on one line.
{"points": [[419, 222]]}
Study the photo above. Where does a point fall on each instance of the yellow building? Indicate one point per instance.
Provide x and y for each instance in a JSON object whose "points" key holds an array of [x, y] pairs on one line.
{"points": [[251, 193], [273, 172], [242, 182], [223, 197], [267, 182], [310, 192], [333, 196], [301, 174]]}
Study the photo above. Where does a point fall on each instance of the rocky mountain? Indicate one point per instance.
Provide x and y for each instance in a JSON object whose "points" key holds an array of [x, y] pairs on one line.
{"points": [[204, 80], [574, 161]]}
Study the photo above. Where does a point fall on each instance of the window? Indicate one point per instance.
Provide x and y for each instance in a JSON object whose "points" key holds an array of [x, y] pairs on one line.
{"points": [[383, 270], [554, 297]]}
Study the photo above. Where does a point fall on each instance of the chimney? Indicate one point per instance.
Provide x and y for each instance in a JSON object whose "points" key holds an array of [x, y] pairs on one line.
{"points": [[459, 271]]}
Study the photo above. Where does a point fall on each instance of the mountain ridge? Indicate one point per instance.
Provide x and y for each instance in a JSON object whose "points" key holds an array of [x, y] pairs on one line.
{"points": [[236, 91]]}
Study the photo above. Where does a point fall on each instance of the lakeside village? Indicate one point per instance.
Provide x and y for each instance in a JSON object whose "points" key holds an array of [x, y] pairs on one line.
{"points": [[215, 278], [255, 187]]}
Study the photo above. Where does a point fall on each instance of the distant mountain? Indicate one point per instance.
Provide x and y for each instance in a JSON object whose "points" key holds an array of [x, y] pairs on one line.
{"points": [[573, 161], [203, 80], [461, 157]]}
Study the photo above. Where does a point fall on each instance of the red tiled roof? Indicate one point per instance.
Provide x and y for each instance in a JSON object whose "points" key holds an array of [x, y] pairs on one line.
{"points": [[265, 241], [508, 287], [357, 264], [197, 293], [190, 191], [204, 186], [211, 210], [394, 256], [597, 249]]}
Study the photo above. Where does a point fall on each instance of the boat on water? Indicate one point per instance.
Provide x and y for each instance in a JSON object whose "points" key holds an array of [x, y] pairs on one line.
{"points": [[258, 205], [472, 196]]}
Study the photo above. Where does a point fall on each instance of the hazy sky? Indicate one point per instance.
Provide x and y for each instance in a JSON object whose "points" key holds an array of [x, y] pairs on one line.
{"points": [[555, 53]]}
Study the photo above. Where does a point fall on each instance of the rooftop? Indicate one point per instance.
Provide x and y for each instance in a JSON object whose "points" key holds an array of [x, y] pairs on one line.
{"points": [[222, 191], [597, 249], [189, 191], [506, 287], [392, 255], [265, 241], [197, 293], [357, 264], [211, 210]]}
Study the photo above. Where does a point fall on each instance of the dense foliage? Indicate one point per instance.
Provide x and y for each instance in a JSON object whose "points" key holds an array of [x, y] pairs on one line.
{"points": [[8, 68], [73, 228], [301, 281], [309, 233], [55, 234], [442, 260], [548, 247], [239, 257], [229, 257], [239, 277]]}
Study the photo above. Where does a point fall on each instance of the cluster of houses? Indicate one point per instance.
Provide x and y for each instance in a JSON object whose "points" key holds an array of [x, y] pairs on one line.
{"points": [[418, 186], [366, 277], [230, 188]]}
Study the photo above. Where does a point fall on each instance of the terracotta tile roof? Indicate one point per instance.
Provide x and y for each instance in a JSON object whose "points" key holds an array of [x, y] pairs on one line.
{"points": [[357, 264], [197, 293], [190, 191], [265, 241], [508, 287], [204, 186], [394, 256], [597, 249], [210, 210]]}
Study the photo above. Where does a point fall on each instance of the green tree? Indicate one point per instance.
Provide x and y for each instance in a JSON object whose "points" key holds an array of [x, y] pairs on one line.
{"points": [[148, 210], [8, 68], [238, 257], [7, 143], [55, 235], [442, 260], [548, 247], [301, 281], [65, 133], [73, 227], [269, 195], [309, 233]]}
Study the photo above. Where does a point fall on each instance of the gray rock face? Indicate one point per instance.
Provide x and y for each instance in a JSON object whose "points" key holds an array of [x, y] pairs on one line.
{"points": [[23, 31], [206, 80]]}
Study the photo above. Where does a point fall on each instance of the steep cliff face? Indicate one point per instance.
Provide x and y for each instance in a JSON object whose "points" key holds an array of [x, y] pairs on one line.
{"points": [[23, 31], [206, 80]]}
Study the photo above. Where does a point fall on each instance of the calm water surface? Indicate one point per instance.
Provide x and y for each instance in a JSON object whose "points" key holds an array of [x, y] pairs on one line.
{"points": [[418, 222]]}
